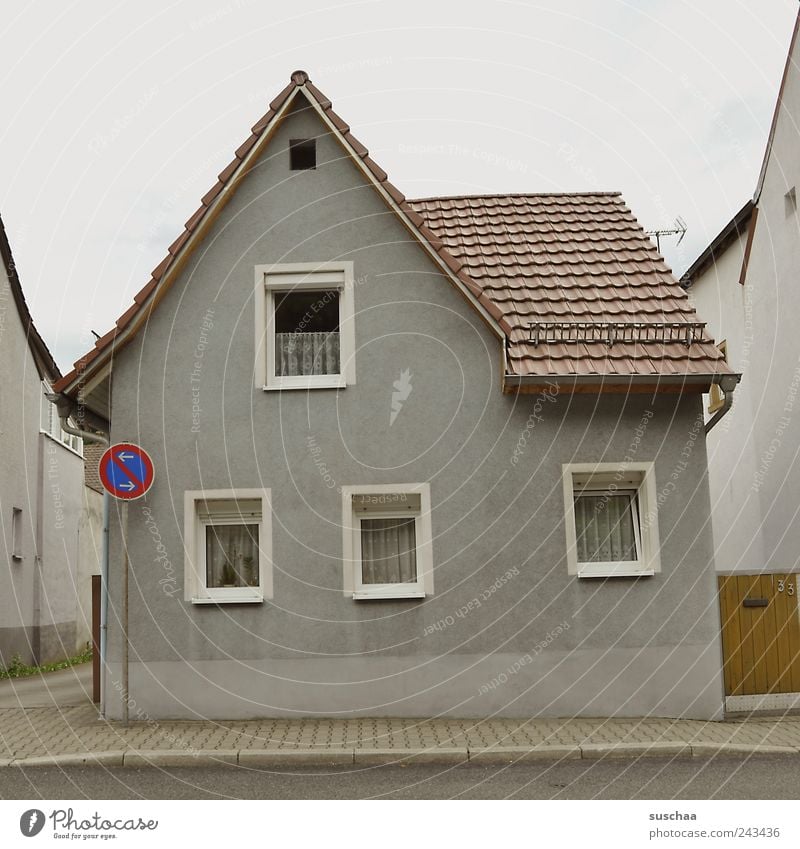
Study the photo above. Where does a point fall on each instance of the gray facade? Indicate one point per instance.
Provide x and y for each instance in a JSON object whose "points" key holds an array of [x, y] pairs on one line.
{"points": [[533, 640], [43, 479]]}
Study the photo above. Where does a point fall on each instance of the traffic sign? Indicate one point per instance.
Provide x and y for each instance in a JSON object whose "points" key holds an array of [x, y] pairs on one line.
{"points": [[126, 471]]}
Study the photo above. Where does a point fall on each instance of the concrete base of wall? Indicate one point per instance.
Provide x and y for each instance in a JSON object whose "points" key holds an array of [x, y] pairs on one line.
{"points": [[672, 681], [56, 642]]}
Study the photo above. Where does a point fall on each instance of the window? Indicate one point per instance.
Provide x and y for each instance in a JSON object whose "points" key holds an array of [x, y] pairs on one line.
{"points": [[611, 520], [302, 154], [715, 397], [16, 533], [304, 326], [228, 542], [790, 202], [387, 541], [50, 423]]}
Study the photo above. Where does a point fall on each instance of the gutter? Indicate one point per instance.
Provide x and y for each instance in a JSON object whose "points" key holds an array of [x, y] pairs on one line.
{"points": [[727, 384], [613, 379]]}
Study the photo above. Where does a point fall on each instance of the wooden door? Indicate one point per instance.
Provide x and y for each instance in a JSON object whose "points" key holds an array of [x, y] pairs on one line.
{"points": [[760, 634]]}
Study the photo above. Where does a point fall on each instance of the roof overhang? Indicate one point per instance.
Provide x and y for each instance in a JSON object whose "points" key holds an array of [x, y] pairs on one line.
{"points": [[617, 383]]}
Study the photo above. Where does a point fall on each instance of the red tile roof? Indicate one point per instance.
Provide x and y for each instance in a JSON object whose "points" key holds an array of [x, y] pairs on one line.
{"points": [[519, 257], [570, 258]]}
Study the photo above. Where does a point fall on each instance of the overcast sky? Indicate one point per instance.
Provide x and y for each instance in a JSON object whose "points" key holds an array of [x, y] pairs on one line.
{"points": [[118, 116]]}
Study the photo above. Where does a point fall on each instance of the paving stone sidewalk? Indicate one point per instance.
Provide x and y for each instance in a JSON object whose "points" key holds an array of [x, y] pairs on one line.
{"points": [[79, 734]]}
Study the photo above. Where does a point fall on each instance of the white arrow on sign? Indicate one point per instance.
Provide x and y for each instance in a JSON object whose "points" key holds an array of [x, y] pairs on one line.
{"points": [[123, 456], [128, 485]]}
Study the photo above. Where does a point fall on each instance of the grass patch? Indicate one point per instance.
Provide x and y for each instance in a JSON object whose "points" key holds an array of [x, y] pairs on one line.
{"points": [[17, 669]]}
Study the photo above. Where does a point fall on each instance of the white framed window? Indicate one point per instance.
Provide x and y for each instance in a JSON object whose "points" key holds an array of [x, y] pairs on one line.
{"points": [[305, 334], [16, 533], [228, 546], [387, 541], [50, 424], [611, 520]]}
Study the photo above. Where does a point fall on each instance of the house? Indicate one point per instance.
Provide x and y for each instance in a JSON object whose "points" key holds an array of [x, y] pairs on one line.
{"points": [[422, 457], [745, 285], [41, 493]]}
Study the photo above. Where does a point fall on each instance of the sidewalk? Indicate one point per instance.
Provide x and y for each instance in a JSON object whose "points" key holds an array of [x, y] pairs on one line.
{"points": [[78, 735]]}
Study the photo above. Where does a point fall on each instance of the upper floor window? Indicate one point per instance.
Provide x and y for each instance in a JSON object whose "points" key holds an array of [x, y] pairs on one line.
{"points": [[304, 326], [50, 423]]}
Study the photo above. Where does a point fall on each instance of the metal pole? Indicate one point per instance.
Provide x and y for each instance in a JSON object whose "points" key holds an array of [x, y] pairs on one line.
{"points": [[125, 647]]}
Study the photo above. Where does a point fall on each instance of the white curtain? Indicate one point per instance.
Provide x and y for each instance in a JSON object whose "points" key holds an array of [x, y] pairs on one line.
{"points": [[604, 528], [388, 551], [231, 556], [306, 353]]}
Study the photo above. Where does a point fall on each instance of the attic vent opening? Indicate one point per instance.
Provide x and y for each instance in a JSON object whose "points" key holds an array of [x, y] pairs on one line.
{"points": [[302, 154]]}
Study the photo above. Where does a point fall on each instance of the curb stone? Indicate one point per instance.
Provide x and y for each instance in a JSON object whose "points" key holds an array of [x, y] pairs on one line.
{"points": [[172, 757], [595, 751], [296, 757], [704, 750], [515, 754], [383, 757], [78, 759], [406, 757]]}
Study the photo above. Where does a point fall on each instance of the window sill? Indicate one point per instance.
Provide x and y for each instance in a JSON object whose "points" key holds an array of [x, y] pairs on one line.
{"points": [[230, 600], [335, 382], [365, 595], [616, 573]]}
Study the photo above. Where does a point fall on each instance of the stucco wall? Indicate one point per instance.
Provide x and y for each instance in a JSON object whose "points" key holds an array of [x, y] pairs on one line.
{"points": [[733, 445], [19, 464], [90, 550], [755, 474], [624, 646]]}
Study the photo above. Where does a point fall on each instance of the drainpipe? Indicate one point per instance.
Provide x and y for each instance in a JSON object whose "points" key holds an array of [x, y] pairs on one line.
{"points": [[727, 383]]}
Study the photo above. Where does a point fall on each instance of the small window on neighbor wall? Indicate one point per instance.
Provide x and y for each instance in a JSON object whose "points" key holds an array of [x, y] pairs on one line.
{"points": [[302, 154], [790, 201], [16, 533], [715, 396]]}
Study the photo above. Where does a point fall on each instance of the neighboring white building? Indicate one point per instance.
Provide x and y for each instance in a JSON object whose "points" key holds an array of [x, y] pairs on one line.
{"points": [[41, 493], [746, 285]]}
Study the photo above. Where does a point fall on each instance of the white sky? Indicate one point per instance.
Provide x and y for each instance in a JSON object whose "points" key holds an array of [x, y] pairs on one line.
{"points": [[118, 116]]}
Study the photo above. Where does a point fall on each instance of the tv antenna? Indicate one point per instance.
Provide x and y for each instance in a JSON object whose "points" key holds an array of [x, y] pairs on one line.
{"points": [[678, 229]]}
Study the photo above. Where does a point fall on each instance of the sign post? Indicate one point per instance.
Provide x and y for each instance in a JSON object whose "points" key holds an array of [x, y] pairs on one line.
{"points": [[126, 472]]}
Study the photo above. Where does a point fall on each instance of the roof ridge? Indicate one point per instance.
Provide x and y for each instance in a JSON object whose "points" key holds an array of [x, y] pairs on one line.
{"points": [[518, 195]]}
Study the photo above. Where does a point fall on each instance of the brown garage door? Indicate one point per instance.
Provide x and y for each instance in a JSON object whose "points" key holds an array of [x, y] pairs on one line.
{"points": [[760, 634]]}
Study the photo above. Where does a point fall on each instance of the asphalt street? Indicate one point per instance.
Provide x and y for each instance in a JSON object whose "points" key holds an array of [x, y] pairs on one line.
{"points": [[757, 777]]}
